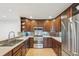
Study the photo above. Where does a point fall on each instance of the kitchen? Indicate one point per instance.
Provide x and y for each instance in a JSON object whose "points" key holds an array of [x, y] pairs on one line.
{"points": [[29, 30]]}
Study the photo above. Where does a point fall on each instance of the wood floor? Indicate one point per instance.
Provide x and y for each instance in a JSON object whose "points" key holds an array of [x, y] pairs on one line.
{"points": [[41, 52]]}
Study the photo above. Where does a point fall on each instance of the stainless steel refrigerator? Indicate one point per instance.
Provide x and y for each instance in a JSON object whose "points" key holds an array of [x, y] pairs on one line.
{"points": [[70, 35]]}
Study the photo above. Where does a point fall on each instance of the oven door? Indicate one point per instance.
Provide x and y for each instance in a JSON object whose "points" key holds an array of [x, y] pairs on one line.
{"points": [[38, 42]]}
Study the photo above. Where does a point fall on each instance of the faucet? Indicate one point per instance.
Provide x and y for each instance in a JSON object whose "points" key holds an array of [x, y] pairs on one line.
{"points": [[10, 34]]}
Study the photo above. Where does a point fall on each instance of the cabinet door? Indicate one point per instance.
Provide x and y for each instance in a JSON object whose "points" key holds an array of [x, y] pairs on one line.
{"points": [[26, 46], [60, 49], [18, 53], [31, 42], [23, 50], [49, 43], [19, 50], [45, 43], [57, 47], [54, 44]]}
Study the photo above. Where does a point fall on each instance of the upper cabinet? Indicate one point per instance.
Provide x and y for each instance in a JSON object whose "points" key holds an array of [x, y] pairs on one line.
{"points": [[57, 24], [28, 25], [33, 24], [47, 25]]}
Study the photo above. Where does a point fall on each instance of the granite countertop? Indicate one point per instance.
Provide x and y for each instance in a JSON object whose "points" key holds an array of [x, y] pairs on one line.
{"points": [[4, 50], [56, 38]]}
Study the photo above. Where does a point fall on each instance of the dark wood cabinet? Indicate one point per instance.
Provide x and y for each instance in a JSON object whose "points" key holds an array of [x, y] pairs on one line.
{"points": [[31, 41], [29, 24], [47, 43], [17, 53], [57, 47], [57, 24], [26, 46], [23, 50], [19, 50]]}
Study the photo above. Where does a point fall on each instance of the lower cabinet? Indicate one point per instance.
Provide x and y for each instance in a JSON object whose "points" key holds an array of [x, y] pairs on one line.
{"points": [[53, 43], [26, 46], [21, 49], [47, 43], [57, 47], [18, 51], [31, 41]]}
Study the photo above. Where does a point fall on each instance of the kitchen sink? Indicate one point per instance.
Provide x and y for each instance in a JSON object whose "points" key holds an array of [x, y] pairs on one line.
{"points": [[9, 42]]}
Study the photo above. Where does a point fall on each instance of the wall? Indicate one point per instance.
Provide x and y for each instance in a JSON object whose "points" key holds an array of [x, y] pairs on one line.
{"points": [[7, 25]]}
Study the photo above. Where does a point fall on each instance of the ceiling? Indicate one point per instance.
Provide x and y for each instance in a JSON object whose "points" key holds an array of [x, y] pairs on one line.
{"points": [[32, 10]]}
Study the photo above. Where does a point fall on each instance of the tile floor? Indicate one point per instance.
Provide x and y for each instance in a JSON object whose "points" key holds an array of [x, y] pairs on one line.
{"points": [[41, 52]]}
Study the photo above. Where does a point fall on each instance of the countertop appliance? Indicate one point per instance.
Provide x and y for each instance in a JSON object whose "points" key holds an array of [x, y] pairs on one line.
{"points": [[38, 37]]}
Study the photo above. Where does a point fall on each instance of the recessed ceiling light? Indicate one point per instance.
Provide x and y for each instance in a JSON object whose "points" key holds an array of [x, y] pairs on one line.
{"points": [[50, 17], [30, 16]]}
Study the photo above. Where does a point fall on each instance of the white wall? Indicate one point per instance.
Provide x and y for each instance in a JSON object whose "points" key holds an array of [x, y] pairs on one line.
{"points": [[7, 25]]}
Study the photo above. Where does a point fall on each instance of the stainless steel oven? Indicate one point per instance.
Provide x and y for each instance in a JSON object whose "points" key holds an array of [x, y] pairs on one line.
{"points": [[38, 37]]}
